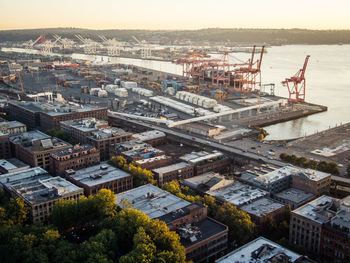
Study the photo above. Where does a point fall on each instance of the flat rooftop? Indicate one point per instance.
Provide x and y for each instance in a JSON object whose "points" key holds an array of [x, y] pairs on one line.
{"points": [[37, 141], [206, 181], [54, 108], [149, 135], [197, 232], [105, 133], [143, 152], [21, 175], [238, 193], [295, 195], [11, 164], [262, 206], [42, 188], [86, 124], [152, 200], [258, 251], [73, 150], [98, 174], [10, 124], [153, 159], [170, 168], [319, 210], [197, 157], [133, 144]]}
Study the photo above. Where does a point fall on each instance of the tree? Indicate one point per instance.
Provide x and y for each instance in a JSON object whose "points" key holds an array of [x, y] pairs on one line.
{"points": [[61, 134], [241, 228], [15, 212]]}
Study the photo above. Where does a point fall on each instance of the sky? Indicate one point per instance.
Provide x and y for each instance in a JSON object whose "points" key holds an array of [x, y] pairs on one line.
{"points": [[174, 14]]}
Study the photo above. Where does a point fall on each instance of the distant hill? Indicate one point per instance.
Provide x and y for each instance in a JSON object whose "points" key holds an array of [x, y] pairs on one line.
{"points": [[259, 36]]}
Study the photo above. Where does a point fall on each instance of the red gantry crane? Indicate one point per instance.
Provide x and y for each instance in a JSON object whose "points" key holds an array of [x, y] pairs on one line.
{"points": [[296, 84]]}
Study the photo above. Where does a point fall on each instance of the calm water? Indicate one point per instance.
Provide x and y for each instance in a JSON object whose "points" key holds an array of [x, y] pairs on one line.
{"points": [[328, 82]]}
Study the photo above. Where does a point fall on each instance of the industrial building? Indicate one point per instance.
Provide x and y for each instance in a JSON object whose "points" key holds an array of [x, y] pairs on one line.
{"points": [[100, 176], [203, 237], [35, 147], [78, 157], [40, 191]]}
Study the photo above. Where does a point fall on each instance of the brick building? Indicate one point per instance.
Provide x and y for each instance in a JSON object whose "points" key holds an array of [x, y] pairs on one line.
{"points": [[5, 147], [105, 137], [41, 191], [78, 157], [312, 181], [155, 162], [178, 171], [152, 137], [265, 208], [12, 165], [35, 148], [306, 223], [204, 162], [12, 127], [141, 154], [81, 128], [48, 115], [204, 238], [94, 178]]}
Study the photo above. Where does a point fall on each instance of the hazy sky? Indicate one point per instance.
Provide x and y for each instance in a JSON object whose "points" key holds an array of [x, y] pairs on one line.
{"points": [[175, 14]]}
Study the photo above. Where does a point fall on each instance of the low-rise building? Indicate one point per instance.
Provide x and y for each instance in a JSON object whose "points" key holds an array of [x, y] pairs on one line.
{"points": [[238, 194], [264, 208], [94, 178], [203, 237], [81, 128], [48, 115], [261, 250], [306, 223], [77, 157], [335, 237], [154, 162], [12, 127], [41, 192], [12, 165], [311, 181], [207, 182], [269, 178], [275, 180], [35, 147], [177, 171], [141, 154], [152, 137], [5, 147], [208, 162], [103, 138], [20, 175], [294, 197], [131, 145]]}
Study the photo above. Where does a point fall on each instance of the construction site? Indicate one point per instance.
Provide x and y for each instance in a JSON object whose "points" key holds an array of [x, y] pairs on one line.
{"points": [[214, 97]]}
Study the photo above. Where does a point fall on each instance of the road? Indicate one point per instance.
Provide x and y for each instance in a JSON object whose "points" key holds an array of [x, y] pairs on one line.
{"points": [[219, 146]]}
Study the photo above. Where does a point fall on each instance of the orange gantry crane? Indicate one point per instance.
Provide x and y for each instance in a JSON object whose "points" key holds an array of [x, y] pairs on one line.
{"points": [[246, 76], [296, 84]]}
